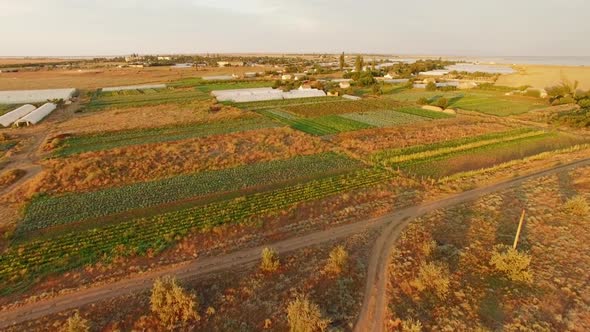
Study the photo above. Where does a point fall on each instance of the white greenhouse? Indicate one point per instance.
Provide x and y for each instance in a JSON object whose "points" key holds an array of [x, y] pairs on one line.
{"points": [[262, 94], [35, 96], [134, 87], [37, 115], [11, 117]]}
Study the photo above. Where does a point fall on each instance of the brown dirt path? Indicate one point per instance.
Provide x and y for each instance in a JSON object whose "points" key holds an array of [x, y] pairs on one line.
{"points": [[374, 303]]}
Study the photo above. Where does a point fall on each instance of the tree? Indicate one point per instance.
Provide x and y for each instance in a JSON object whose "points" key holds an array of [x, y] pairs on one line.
{"points": [[442, 102], [411, 325], [75, 324], [359, 63], [342, 61], [270, 260], [431, 86], [337, 261], [305, 316], [171, 304], [512, 263]]}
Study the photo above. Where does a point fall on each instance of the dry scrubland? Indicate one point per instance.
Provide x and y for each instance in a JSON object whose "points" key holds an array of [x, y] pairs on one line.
{"points": [[544, 76], [444, 275]]}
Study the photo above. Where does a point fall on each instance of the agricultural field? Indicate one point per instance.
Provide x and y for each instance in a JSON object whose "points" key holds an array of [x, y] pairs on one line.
{"points": [[320, 126], [447, 271], [445, 158], [147, 97], [384, 118], [4, 108], [6, 145], [97, 142], [47, 211], [21, 264], [484, 102], [281, 103]]}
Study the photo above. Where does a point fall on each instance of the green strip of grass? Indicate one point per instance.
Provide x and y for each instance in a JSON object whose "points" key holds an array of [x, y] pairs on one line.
{"points": [[320, 126]]}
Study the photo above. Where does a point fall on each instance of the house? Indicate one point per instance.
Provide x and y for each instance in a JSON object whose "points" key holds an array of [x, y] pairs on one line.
{"points": [[344, 85], [305, 86], [333, 94], [388, 77], [164, 58]]}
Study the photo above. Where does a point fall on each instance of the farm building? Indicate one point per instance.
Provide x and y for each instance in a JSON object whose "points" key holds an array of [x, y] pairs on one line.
{"points": [[396, 81], [261, 94], [11, 117], [37, 115], [344, 85], [134, 87], [35, 96]]}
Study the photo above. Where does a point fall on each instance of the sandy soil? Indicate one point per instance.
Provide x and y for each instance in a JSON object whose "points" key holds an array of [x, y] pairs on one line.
{"points": [[104, 77], [542, 76]]}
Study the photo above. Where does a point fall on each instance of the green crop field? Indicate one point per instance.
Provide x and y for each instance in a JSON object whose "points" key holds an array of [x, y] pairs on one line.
{"points": [[47, 211], [320, 126], [147, 97], [342, 107], [489, 103], [266, 104], [436, 159], [384, 118], [22, 264], [79, 144]]}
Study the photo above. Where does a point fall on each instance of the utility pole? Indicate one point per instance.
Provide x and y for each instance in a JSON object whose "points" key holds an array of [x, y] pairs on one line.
{"points": [[516, 238]]}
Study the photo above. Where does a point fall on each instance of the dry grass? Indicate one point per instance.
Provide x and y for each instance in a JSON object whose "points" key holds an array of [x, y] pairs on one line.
{"points": [[147, 117], [125, 165], [9, 177], [544, 76], [371, 140]]}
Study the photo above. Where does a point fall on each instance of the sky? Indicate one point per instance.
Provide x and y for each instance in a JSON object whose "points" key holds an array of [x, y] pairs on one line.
{"points": [[421, 27]]}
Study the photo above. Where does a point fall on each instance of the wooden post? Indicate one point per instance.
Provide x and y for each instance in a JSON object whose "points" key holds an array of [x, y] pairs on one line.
{"points": [[518, 231]]}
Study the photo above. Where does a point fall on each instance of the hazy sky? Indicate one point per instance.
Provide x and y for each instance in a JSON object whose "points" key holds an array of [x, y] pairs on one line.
{"points": [[449, 27]]}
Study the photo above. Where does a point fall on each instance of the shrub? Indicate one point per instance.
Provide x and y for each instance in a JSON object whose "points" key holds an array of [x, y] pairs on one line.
{"points": [[305, 316], [512, 263], [75, 324], [171, 304], [431, 86], [337, 261], [442, 103], [434, 278], [423, 101], [270, 260], [411, 325], [577, 205]]}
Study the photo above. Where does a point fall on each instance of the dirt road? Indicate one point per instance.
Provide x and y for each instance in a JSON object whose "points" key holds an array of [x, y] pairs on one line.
{"points": [[371, 318]]}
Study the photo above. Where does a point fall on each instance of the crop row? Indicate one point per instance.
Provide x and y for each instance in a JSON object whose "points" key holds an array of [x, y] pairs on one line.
{"points": [[48, 211], [320, 126], [20, 264], [402, 157], [105, 141], [342, 107], [258, 105], [384, 118]]}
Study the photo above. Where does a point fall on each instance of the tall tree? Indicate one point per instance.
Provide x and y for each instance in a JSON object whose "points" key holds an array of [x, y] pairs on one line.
{"points": [[342, 61], [359, 63]]}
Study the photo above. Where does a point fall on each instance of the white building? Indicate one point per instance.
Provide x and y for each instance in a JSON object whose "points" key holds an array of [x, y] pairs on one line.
{"points": [[11, 117], [35, 96]]}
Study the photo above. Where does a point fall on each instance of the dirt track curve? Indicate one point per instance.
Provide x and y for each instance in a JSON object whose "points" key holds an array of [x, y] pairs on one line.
{"points": [[374, 303]]}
